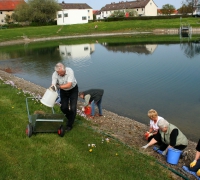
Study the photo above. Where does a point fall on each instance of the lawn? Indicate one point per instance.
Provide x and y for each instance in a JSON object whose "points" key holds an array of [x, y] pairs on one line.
{"points": [[49, 156], [103, 27]]}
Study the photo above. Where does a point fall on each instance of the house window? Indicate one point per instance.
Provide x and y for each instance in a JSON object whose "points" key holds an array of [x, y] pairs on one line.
{"points": [[88, 17], [1, 12], [84, 18], [59, 15], [69, 54], [85, 48], [88, 10], [142, 9], [2, 20], [66, 15], [137, 9]]}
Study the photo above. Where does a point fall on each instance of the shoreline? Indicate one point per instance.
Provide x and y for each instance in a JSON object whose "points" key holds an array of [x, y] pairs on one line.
{"points": [[167, 31], [126, 130]]}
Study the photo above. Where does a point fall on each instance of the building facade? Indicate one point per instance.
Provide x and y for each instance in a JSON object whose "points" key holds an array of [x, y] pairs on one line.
{"points": [[7, 7], [74, 13], [142, 7], [68, 17]]}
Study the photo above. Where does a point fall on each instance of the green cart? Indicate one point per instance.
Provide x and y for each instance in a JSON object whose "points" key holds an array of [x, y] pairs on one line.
{"points": [[44, 123]]}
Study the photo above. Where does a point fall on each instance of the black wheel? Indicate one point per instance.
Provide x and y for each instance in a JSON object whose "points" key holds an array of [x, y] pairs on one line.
{"points": [[61, 131], [29, 130]]}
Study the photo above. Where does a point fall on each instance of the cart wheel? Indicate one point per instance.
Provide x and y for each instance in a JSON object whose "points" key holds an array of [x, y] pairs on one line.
{"points": [[29, 130], [61, 131]]}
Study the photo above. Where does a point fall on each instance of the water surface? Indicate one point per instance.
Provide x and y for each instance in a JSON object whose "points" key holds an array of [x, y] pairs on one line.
{"points": [[135, 78]]}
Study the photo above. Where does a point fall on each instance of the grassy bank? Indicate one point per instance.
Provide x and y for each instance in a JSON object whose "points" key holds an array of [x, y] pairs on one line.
{"points": [[103, 27], [48, 156], [120, 40]]}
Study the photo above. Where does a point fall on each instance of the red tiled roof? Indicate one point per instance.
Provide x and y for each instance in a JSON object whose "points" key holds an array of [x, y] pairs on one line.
{"points": [[96, 12], [9, 5]]}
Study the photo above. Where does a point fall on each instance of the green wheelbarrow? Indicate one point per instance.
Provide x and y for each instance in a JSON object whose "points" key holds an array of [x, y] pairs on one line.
{"points": [[45, 122]]}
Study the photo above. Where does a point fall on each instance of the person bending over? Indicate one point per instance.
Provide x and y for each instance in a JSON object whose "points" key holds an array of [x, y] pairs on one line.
{"points": [[93, 96]]}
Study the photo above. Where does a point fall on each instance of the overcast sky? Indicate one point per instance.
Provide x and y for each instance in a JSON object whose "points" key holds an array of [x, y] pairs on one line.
{"points": [[98, 4]]}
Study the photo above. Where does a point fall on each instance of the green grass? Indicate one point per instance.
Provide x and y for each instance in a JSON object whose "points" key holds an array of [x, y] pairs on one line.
{"points": [[103, 27], [48, 156], [120, 40]]}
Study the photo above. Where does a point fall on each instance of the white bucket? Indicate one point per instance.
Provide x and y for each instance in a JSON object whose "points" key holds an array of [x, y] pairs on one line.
{"points": [[49, 97]]}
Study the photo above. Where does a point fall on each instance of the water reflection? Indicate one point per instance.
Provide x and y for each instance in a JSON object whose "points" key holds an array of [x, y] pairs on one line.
{"points": [[135, 78], [191, 49], [140, 49], [76, 51]]}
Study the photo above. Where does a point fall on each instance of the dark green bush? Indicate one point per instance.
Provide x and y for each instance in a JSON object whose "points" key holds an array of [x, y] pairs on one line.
{"points": [[144, 18], [11, 25]]}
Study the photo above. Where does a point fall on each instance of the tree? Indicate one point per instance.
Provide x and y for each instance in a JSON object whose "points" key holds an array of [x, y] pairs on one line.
{"points": [[186, 9], [189, 6], [8, 19], [167, 9], [132, 13], [117, 14], [42, 11], [21, 13]]}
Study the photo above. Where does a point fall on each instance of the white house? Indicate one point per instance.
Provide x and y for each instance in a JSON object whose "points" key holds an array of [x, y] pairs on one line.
{"points": [[7, 7], [67, 17], [74, 13], [142, 7]]}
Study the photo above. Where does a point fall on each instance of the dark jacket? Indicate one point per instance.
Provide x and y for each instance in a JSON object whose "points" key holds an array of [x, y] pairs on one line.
{"points": [[96, 94]]}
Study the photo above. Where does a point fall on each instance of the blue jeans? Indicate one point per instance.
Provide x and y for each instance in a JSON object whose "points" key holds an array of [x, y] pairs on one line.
{"points": [[98, 105], [58, 98]]}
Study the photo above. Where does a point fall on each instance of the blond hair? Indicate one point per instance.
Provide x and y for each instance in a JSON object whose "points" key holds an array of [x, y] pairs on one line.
{"points": [[152, 113]]}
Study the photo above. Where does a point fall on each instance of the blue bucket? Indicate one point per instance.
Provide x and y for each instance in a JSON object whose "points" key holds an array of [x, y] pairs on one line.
{"points": [[173, 155]]}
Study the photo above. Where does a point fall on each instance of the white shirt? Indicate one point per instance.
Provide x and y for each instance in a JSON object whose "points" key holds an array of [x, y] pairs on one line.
{"points": [[155, 125], [68, 77]]}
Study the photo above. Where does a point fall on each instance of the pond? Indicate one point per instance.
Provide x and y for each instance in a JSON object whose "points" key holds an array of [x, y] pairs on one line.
{"points": [[135, 77]]}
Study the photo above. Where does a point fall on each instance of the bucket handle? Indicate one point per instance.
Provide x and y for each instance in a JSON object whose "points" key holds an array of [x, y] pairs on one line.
{"points": [[53, 87]]}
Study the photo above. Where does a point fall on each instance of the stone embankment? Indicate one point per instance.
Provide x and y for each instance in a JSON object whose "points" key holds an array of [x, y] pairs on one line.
{"points": [[174, 31]]}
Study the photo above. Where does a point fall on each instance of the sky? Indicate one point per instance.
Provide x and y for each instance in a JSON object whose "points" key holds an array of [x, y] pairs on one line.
{"points": [[98, 4]]}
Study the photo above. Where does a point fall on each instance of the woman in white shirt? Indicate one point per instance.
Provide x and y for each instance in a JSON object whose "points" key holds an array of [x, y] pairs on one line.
{"points": [[153, 129]]}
